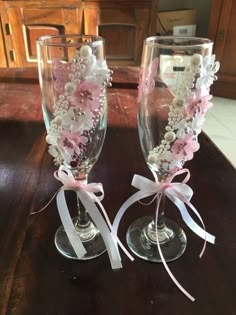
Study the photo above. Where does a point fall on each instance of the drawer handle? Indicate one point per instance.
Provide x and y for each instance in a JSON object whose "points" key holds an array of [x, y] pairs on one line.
{"points": [[12, 55], [8, 29], [221, 34]]}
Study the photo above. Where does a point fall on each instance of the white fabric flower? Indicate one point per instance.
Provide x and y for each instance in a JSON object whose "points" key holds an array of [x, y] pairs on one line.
{"points": [[75, 121], [197, 123], [182, 128], [55, 153], [207, 72], [100, 71], [166, 155]]}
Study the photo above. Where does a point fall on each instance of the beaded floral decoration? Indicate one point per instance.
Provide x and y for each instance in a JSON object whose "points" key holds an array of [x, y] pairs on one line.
{"points": [[186, 113], [80, 86]]}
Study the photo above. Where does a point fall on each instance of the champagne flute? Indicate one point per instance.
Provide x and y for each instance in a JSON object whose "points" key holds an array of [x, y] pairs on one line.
{"points": [[73, 78], [175, 77]]}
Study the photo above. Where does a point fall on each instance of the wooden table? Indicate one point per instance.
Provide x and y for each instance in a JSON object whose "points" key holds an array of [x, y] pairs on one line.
{"points": [[36, 280]]}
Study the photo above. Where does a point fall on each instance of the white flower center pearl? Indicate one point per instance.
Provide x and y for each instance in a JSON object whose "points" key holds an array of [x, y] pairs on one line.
{"points": [[48, 139], [70, 87], [85, 51], [58, 120], [178, 101], [152, 158], [196, 60], [170, 136]]}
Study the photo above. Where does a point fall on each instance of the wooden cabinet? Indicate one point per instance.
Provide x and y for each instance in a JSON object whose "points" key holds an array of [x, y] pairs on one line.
{"points": [[3, 58], [24, 21], [124, 24], [222, 31]]}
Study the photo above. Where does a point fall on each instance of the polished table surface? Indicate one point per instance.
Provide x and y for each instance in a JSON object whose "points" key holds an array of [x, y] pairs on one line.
{"points": [[36, 280]]}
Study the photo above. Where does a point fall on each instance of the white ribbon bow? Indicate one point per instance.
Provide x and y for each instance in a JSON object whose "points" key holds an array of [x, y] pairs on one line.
{"points": [[180, 194], [86, 194]]}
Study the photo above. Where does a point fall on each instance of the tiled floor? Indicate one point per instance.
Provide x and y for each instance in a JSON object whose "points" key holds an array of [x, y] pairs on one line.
{"points": [[220, 126]]}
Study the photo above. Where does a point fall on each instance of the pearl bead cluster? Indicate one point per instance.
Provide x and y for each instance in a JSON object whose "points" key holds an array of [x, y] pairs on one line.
{"points": [[61, 105], [174, 116], [190, 73], [84, 64], [161, 155]]}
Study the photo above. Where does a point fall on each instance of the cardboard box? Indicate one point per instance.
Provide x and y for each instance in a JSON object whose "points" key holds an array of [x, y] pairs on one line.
{"points": [[180, 22], [172, 69]]}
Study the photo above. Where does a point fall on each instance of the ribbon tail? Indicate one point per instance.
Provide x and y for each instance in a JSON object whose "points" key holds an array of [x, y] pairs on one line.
{"points": [[135, 197], [96, 216], [116, 239], [189, 221], [163, 258], [201, 232], [48, 203], [69, 226]]}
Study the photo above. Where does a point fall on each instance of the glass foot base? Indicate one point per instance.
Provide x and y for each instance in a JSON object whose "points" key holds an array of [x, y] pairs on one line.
{"points": [[90, 237], [171, 237]]}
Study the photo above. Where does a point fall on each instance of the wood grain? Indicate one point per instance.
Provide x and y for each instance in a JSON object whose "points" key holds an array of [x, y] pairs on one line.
{"points": [[214, 19], [3, 57], [35, 279], [222, 32]]}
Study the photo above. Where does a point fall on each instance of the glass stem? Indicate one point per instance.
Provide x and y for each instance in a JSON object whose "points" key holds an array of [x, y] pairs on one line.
{"points": [[161, 212], [83, 219], [164, 234], [160, 219], [84, 225]]}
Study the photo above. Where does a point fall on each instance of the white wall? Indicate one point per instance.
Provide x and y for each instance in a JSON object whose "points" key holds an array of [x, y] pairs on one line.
{"points": [[203, 8]]}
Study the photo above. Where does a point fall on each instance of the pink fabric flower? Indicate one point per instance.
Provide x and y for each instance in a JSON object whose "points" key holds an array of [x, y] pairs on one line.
{"points": [[199, 106], [86, 96], [147, 83], [69, 145], [61, 73], [184, 148]]}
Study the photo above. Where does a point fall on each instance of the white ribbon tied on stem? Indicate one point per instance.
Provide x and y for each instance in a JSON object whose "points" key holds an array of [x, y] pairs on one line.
{"points": [[86, 194], [180, 194]]}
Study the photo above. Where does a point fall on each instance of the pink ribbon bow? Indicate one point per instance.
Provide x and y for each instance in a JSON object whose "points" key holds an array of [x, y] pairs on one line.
{"points": [[86, 194], [180, 194]]}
